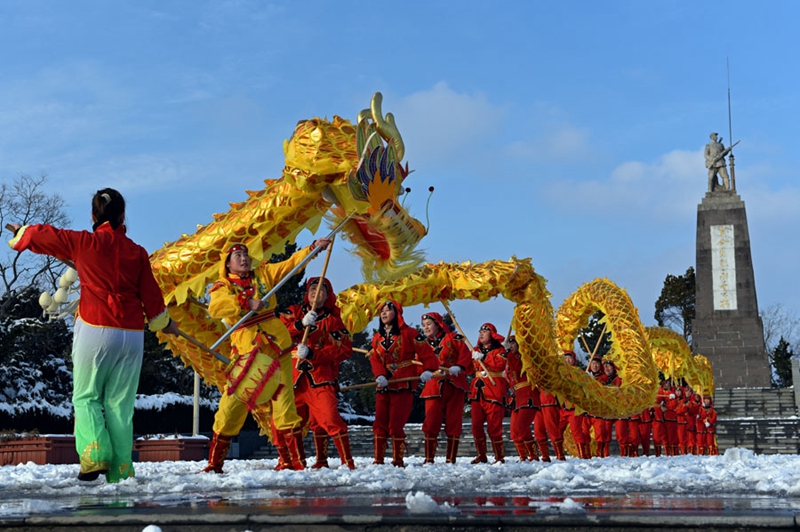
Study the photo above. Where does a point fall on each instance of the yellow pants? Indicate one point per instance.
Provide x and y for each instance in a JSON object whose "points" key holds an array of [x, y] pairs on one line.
{"points": [[232, 411]]}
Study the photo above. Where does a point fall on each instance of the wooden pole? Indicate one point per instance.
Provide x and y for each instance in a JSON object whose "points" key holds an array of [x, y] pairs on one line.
{"points": [[370, 384], [321, 282]]}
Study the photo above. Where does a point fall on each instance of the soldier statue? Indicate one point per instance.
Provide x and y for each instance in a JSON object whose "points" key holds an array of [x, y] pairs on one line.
{"points": [[715, 153]]}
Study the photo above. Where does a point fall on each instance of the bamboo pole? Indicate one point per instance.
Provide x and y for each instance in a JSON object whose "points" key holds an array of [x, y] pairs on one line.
{"points": [[320, 283]]}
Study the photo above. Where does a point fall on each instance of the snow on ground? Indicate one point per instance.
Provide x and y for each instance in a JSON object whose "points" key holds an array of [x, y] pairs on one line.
{"points": [[35, 489]]}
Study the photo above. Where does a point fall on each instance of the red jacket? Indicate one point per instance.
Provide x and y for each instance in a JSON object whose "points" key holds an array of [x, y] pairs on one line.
{"points": [[117, 285], [547, 399], [668, 404], [525, 395], [482, 385], [393, 354], [450, 350], [328, 340]]}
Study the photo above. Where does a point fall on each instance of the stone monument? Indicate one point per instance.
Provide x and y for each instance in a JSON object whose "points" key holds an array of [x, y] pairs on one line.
{"points": [[727, 328]]}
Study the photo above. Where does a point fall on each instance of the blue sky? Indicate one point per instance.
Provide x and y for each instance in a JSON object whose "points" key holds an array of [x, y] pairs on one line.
{"points": [[568, 132]]}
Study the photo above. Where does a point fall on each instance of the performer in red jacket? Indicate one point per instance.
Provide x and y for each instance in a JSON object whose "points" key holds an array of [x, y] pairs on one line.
{"points": [[671, 419], [316, 368], [396, 348], [620, 425], [488, 392], [645, 430], [444, 394], [579, 425], [602, 427], [661, 436], [710, 423], [525, 404], [546, 425]]}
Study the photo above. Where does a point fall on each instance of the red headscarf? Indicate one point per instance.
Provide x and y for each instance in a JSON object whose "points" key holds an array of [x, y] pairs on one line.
{"points": [[330, 301], [493, 330], [437, 319], [398, 310]]}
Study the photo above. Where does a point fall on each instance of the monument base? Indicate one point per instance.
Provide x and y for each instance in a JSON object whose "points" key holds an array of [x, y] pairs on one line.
{"points": [[727, 328]]}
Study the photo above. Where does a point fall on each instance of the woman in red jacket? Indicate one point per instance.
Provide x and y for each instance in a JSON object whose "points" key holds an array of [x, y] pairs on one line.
{"points": [[488, 393], [118, 292], [602, 427], [396, 351], [444, 394], [316, 368], [525, 404]]}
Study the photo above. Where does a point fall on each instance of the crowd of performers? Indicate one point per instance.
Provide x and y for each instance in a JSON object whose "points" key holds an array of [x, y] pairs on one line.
{"points": [[307, 343]]}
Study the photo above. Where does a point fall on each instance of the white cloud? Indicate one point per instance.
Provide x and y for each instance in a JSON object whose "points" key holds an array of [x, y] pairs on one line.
{"points": [[440, 122], [667, 188]]}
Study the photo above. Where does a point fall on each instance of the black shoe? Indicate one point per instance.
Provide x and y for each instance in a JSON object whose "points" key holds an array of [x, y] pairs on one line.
{"points": [[93, 475]]}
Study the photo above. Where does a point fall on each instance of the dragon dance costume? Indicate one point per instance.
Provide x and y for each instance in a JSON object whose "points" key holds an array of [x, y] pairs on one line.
{"points": [[329, 344], [488, 396], [525, 404], [444, 394], [260, 371]]}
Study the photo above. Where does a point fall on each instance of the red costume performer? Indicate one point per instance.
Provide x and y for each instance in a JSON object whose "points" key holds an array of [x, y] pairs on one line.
{"points": [[645, 429], [546, 424], [620, 425], [317, 367], [488, 393], [444, 394], [395, 350], [693, 411], [525, 404], [659, 426], [710, 423], [671, 420], [602, 427], [579, 425]]}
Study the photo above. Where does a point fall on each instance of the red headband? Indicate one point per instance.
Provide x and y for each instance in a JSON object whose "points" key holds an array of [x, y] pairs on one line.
{"points": [[238, 247]]}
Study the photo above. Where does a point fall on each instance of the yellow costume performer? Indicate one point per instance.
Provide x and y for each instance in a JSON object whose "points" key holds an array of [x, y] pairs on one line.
{"points": [[260, 371]]}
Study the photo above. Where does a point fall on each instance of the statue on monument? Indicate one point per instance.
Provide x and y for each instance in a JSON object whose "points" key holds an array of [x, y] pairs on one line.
{"points": [[715, 153]]}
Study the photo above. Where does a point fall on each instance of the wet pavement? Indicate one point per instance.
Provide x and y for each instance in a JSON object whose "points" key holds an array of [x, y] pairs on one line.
{"points": [[325, 509]]}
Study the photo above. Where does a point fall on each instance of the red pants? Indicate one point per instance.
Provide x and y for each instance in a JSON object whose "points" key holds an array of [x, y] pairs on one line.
{"points": [[672, 431], [633, 432], [391, 413], [491, 414], [578, 425], [319, 407], [659, 432], [448, 407], [602, 429], [621, 427], [521, 421], [546, 423], [645, 428]]}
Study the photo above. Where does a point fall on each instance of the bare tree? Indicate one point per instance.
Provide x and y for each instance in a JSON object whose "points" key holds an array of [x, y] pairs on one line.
{"points": [[780, 323], [25, 201]]}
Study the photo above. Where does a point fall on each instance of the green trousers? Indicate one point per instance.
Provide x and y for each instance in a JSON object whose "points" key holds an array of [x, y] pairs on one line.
{"points": [[106, 367]]}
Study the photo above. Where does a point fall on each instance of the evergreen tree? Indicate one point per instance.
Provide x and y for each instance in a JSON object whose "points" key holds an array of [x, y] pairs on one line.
{"points": [[781, 360], [357, 370], [675, 307], [35, 365], [591, 335]]}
